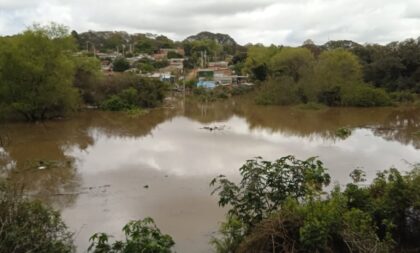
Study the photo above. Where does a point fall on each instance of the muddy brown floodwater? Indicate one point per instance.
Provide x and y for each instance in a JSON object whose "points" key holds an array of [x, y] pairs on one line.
{"points": [[97, 164]]}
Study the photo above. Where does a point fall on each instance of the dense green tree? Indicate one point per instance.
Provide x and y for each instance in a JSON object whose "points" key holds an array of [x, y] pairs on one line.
{"points": [[145, 46], [338, 67], [87, 76], [292, 62], [37, 72], [195, 49], [120, 64], [258, 59]]}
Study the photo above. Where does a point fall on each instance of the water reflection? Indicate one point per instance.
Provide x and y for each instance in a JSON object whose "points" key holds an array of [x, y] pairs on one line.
{"points": [[110, 157]]}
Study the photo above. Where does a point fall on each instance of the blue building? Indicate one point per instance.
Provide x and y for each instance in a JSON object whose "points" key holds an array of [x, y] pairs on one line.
{"points": [[206, 84]]}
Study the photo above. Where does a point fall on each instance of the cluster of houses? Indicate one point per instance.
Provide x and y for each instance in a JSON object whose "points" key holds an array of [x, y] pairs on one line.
{"points": [[210, 75], [219, 74]]}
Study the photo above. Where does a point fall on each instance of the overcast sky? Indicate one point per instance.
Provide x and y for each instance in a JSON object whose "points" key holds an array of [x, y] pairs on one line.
{"points": [[287, 22]]}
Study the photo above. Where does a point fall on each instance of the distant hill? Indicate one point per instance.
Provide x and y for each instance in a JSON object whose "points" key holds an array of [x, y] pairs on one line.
{"points": [[222, 39], [110, 40], [344, 44]]}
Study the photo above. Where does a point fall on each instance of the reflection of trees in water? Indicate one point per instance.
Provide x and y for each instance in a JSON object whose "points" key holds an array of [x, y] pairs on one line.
{"points": [[401, 126], [36, 145], [123, 125], [207, 113], [390, 123]]}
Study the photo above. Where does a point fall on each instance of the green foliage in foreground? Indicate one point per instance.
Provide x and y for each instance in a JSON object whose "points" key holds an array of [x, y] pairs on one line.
{"points": [[29, 226], [140, 236], [266, 185], [280, 207]]}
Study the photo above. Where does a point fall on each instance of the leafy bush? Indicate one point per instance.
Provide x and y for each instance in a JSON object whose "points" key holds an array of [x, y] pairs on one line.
{"points": [[266, 185], [115, 103], [381, 217], [120, 64], [36, 73], [364, 96], [330, 96], [126, 91], [277, 92], [231, 234], [29, 226], [140, 236], [403, 97]]}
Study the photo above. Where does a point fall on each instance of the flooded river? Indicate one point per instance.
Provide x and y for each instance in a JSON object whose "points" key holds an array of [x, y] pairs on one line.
{"points": [[103, 169]]}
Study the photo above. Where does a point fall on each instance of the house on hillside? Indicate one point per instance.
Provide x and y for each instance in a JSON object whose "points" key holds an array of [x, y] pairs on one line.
{"points": [[162, 54], [205, 74], [218, 65], [177, 63]]}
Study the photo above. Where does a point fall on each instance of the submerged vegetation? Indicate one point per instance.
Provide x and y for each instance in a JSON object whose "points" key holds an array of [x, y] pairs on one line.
{"points": [[343, 132]]}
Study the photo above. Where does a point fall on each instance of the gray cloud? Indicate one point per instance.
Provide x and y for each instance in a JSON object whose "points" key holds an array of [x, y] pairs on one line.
{"points": [[256, 21]]}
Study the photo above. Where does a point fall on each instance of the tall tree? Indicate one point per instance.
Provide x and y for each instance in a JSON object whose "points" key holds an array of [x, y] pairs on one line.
{"points": [[37, 72], [292, 62]]}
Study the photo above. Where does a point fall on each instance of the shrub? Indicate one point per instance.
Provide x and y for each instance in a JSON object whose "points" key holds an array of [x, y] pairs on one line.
{"points": [[231, 234], [266, 185], [381, 217], [120, 64], [126, 91], [403, 97], [29, 226], [364, 96], [330, 96], [115, 103], [277, 92], [140, 236], [36, 73]]}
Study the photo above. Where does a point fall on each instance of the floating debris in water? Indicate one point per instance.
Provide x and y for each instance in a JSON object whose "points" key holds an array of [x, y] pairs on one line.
{"points": [[343, 132], [214, 128]]}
